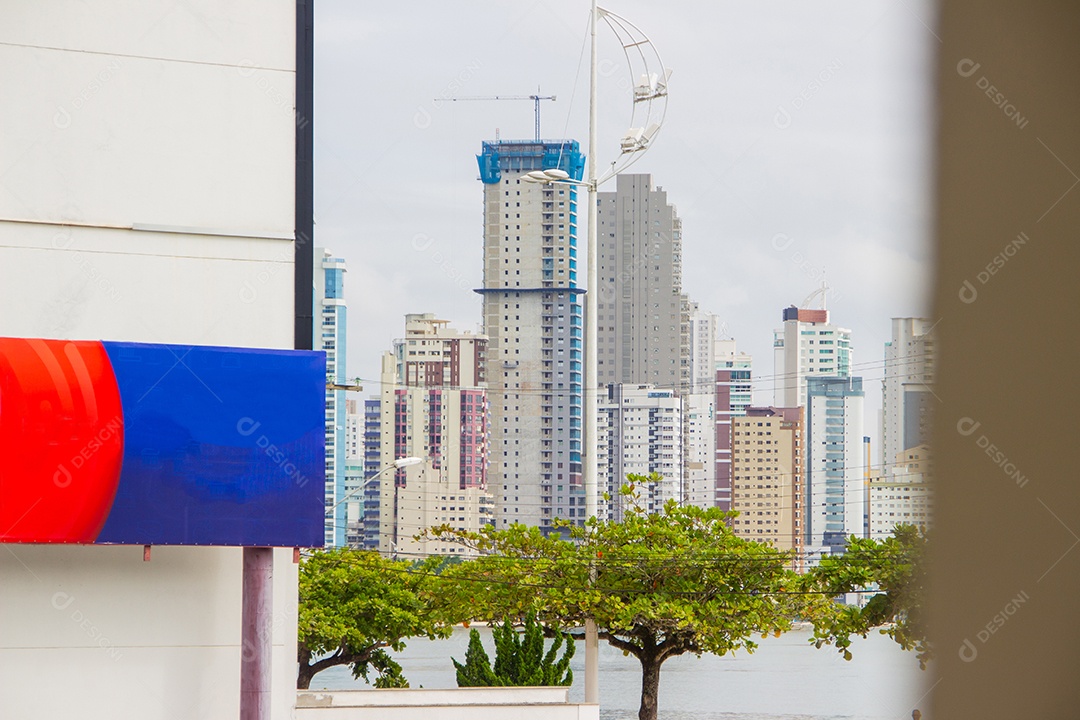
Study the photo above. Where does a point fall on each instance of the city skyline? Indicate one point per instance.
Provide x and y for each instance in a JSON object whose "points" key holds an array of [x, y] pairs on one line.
{"points": [[806, 151]]}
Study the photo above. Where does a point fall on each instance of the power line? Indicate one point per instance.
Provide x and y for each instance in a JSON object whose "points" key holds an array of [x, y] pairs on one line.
{"points": [[759, 380], [777, 562]]}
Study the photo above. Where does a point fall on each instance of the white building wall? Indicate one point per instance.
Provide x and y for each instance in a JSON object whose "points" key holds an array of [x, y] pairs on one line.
{"points": [[901, 493], [903, 498], [700, 452], [146, 195], [699, 411]]}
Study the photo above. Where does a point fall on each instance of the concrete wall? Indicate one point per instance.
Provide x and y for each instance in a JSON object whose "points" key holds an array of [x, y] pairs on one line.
{"points": [[146, 194], [520, 703], [95, 632]]}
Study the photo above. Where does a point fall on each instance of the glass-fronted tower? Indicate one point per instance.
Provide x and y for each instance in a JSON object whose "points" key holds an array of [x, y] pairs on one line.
{"points": [[330, 317], [835, 465]]}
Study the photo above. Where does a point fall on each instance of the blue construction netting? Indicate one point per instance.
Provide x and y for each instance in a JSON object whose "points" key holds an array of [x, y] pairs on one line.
{"points": [[528, 155]]}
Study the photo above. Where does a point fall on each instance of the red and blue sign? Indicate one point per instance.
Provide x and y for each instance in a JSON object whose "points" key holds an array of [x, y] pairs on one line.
{"points": [[132, 443]]}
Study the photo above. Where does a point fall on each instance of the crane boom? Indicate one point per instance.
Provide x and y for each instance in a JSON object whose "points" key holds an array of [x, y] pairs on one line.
{"points": [[535, 98]]}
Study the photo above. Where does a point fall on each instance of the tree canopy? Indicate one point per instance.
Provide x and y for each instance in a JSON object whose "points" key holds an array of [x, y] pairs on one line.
{"points": [[894, 565], [355, 606], [674, 582]]}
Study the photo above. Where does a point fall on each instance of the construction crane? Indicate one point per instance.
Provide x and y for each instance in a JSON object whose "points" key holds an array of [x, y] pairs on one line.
{"points": [[535, 98]]}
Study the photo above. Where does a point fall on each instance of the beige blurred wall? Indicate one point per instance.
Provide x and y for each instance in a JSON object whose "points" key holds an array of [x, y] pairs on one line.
{"points": [[1006, 591]]}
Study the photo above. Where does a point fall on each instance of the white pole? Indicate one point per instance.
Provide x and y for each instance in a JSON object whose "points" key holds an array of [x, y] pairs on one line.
{"points": [[589, 376]]}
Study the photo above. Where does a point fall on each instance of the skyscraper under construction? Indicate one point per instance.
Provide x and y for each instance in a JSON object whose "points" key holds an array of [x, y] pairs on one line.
{"points": [[533, 321]]}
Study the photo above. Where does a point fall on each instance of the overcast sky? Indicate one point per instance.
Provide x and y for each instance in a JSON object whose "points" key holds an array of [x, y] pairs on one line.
{"points": [[797, 140]]}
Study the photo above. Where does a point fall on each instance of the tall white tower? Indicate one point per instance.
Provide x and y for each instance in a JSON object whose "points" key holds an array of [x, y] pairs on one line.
{"points": [[807, 345]]}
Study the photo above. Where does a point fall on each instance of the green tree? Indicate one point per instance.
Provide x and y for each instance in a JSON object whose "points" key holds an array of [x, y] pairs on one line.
{"points": [[678, 581], [355, 606], [519, 658], [896, 567]]}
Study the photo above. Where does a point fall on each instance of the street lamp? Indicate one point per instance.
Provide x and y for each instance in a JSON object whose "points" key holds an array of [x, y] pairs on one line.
{"points": [[649, 108], [396, 465], [401, 462]]}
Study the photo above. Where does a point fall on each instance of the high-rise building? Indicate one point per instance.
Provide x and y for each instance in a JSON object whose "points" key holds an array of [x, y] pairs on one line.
{"points": [[643, 333], [835, 464], [807, 345], [647, 330], [372, 485], [767, 478], [329, 331], [733, 396], [533, 321], [640, 432], [354, 473], [901, 495], [434, 407], [704, 339], [699, 449], [699, 410], [906, 395]]}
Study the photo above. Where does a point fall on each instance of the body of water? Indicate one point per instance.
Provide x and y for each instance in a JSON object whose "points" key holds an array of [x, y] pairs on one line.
{"points": [[785, 678]]}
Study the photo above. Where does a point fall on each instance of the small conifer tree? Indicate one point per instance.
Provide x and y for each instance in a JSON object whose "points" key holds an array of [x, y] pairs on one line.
{"points": [[520, 659]]}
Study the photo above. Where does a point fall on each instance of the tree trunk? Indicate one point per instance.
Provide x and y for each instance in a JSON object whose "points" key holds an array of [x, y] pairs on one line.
{"points": [[308, 669], [306, 672], [303, 679], [650, 687]]}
